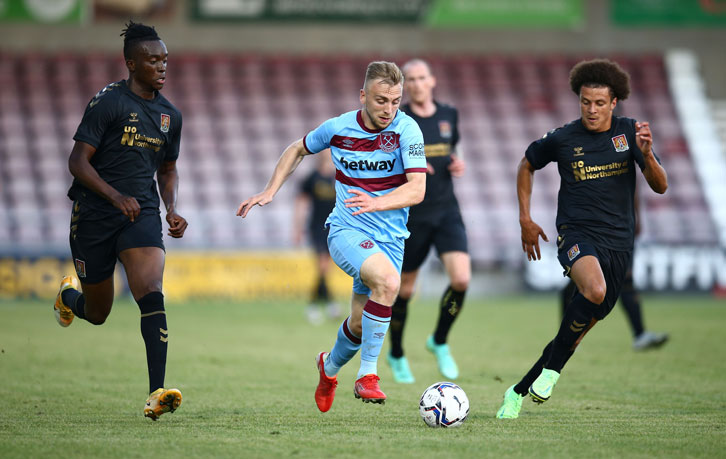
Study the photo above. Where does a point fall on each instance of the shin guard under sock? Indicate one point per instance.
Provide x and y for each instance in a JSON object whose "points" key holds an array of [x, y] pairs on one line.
{"points": [[345, 347], [578, 319], [399, 311], [375, 322], [156, 336], [449, 308]]}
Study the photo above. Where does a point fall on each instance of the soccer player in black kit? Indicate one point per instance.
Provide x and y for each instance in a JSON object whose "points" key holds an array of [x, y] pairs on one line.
{"points": [[596, 157], [436, 222], [313, 204], [128, 133]]}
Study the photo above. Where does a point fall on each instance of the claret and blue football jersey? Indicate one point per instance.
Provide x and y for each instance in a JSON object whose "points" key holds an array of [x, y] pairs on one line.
{"points": [[374, 161]]}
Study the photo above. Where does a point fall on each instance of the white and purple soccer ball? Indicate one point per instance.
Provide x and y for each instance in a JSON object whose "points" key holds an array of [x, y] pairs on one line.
{"points": [[444, 404]]}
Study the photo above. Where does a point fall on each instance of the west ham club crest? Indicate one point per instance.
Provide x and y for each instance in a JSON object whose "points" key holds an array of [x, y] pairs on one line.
{"points": [[389, 141]]}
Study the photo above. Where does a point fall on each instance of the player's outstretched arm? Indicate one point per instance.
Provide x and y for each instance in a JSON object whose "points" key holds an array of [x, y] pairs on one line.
{"points": [[531, 231], [287, 163], [168, 179], [406, 195], [80, 167], [654, 173]]}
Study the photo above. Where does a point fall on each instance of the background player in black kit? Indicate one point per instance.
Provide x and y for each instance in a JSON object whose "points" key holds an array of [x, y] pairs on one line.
{"points": [[436, 221], [129, 132], [313, 204], [596, 157]]}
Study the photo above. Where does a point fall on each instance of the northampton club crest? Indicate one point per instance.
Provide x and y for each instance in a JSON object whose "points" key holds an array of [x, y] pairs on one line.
{"points": [[165, 122]]}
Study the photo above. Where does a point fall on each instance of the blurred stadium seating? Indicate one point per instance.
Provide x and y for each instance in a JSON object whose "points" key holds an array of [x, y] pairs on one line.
{"points": [[240, 111]]}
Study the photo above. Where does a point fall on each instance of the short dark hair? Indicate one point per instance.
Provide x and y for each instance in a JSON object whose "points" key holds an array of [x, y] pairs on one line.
{"points": [[135, 33], [598, 73]]}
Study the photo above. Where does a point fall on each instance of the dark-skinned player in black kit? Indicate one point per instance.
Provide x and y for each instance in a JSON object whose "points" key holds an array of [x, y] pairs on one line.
{"points": [[128, 134], [596, 156]]}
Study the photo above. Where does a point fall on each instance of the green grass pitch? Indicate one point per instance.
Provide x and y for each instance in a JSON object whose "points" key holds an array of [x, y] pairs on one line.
{"points": [[247, 376]]}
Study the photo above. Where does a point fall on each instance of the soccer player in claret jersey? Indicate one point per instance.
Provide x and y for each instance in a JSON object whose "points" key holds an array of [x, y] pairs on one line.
{"points": [[596, 157], [129, 132], [378, 152], [434, 222]]}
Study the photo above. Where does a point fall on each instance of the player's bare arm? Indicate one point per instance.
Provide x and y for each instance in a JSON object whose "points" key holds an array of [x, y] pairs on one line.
{"points": [[406, 195], [80, 167], [168, 178], [287, 163], [654, 173], [531, 231]]}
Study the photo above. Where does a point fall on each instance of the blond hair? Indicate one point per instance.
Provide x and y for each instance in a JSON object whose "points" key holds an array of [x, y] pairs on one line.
{"points": [[416, 61], [387, 72]]}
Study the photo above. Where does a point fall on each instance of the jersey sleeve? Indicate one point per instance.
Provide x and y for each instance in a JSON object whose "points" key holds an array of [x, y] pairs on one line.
{"points": [[99, 115], [542, 151], [412, 149], [172, 150], [318, 139]]}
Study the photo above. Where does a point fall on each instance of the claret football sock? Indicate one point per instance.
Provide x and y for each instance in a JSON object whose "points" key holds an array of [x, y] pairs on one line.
{"points": [[376, 319], [346, 346], [450, 306], [398, 321], [156, 336]]}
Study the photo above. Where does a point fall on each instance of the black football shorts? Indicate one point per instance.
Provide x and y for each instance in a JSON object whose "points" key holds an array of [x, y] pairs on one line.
{"points": [[98, 237], [443, 230], [615, 265]]}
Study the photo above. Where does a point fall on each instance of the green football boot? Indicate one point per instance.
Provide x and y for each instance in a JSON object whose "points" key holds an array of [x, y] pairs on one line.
{"points": [[447, 365], [400, 369], [511, 405], [541, 388]]}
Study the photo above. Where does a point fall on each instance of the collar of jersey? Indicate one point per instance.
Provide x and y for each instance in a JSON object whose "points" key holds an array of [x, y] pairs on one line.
{"points": [[359, 118]]}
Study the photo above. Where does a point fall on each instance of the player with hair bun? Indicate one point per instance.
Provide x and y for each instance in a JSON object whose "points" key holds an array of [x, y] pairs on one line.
{"points": [[129, 134]]}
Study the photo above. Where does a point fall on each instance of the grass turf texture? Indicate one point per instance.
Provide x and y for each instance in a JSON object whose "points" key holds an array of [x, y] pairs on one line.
{"points": [[247, 376]]}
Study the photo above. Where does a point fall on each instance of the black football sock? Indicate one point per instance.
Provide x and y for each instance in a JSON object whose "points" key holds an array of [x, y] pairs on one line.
{"points": [[522, 387], [156, 335], [578, 320], [631, 303], [399, 311], [566, 297], [76, 301], [450, 306], [322, 293]]}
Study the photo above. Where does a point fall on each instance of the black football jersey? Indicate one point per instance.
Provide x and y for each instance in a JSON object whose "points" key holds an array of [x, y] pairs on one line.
{"points": [[441, 134], [597, 171], [321, 190], [132, 136]]}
